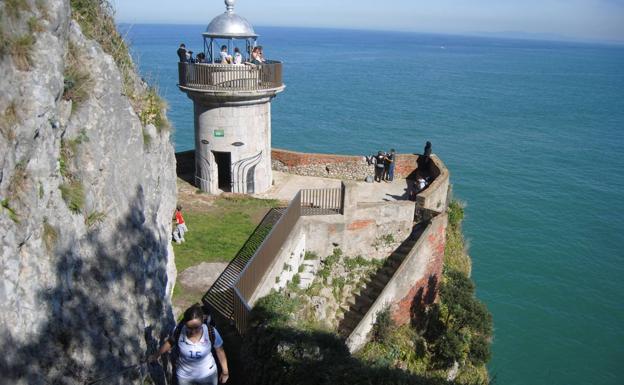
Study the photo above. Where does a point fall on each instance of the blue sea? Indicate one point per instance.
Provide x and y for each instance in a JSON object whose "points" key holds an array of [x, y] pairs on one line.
{"points": [[533, 134]]}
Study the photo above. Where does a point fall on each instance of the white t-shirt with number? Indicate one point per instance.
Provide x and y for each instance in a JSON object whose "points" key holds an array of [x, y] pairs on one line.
{"points": [[195, 360]]}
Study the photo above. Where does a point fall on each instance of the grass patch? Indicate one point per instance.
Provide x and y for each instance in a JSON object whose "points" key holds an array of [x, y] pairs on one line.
{"points": [[94, 218], [21, 49], [77, 83], [14, 8], [8, 120], [35, 25], [455, 255], [152, 109], [74, 195], [50, 235], [96, 19], [217, 234], [19, 180]]}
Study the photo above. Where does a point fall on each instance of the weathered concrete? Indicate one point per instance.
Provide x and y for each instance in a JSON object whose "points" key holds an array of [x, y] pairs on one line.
{"points": [[419, 272], [286, 186], [238, 124], [435, 196], [285, 265]]}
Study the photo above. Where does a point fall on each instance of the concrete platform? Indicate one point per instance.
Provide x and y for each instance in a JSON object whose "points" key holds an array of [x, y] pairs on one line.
{"points": [[286, 186]]}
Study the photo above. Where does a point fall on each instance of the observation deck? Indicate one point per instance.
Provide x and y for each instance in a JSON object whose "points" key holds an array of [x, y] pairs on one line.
{"points": [[216, 78]]}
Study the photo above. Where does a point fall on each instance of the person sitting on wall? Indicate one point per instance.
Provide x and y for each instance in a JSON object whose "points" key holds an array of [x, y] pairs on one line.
{"points": [[238, 58], [226, 58], [182, 53]]}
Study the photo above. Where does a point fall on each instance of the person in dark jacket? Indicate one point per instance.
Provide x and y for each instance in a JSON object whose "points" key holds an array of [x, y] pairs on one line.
{"points": [[182, 53], [423, 161], [380, 159]]}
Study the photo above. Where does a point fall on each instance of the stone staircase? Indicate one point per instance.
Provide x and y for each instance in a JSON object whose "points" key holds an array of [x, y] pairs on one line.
{"points": [[361, 300]]}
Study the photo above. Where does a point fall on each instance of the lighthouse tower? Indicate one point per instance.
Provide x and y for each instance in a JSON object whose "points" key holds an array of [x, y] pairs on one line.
{"points": [[232, 108]]}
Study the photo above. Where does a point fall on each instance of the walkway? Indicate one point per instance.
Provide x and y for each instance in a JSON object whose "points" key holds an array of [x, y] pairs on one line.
{"points": [[286, 186]]}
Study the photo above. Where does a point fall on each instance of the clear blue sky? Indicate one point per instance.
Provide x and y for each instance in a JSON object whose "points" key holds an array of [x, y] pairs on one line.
{"points": [[578, 19]]}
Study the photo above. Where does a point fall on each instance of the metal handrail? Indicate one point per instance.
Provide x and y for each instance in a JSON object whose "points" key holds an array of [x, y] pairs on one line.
{"points": [[254, 271], [306, 202], [230, 77], [321, 201]]}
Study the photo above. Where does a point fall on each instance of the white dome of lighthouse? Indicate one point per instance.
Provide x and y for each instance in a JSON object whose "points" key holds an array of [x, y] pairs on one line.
{"points": [[229, 24]]}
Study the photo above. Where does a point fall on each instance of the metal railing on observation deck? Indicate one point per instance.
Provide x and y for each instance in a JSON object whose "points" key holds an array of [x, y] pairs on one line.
{"points": [[230, 77]]}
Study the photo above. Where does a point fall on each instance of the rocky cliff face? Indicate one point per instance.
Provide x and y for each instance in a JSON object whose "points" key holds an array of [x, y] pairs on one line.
{"points": [[87, 188]]}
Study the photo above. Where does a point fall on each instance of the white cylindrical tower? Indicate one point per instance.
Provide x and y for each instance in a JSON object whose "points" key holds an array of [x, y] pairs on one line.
{"points": [[232, 107]]}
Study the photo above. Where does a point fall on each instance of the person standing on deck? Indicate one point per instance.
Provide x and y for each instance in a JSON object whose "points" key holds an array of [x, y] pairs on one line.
{"points": [[379, 166], [182, 53]]}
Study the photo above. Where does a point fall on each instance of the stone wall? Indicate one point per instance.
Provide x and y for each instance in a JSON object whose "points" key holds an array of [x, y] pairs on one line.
{"points": [[346, 167], [414, 281], [435, 196], [87, 195]]}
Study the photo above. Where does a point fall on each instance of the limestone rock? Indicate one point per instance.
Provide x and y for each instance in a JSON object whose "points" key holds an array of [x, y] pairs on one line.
{"points": [[86, 280]]}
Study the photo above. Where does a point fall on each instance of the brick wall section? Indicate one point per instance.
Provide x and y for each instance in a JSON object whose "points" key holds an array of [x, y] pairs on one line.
{"points": [[424, 290], [346, 167]]}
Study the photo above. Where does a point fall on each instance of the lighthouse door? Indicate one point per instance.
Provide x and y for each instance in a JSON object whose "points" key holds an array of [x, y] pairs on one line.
{"points": [[251, 182], [224, 169]]}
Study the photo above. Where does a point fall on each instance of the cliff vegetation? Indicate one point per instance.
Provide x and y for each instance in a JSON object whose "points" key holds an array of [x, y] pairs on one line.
{"points": [[448, 340]]}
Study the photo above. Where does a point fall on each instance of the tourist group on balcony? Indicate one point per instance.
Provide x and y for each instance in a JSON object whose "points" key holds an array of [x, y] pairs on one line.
{"points": [[384, 165], [257, 56]]}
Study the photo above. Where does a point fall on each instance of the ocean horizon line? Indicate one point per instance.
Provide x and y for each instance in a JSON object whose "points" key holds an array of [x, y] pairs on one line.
{"points": [[517, 36]]}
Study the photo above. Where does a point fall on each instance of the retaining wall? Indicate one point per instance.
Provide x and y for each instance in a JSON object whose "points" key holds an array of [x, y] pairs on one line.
{"points": [[347, 167], [415, 280]]}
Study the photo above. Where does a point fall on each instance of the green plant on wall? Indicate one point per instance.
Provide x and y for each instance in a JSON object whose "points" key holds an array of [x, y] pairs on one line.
{"points": [[77, 82], [7, 207], [152, 110], [94, 218], [74, 196], [14, 8], [50, 235]]}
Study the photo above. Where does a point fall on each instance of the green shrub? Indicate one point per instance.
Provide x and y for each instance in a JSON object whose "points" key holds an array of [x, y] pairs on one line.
{"points": [[275, 308], [455, 213], [480, 350], [310, 255], [448, 349], [296, 280], [74, 196], [384, 325]]}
